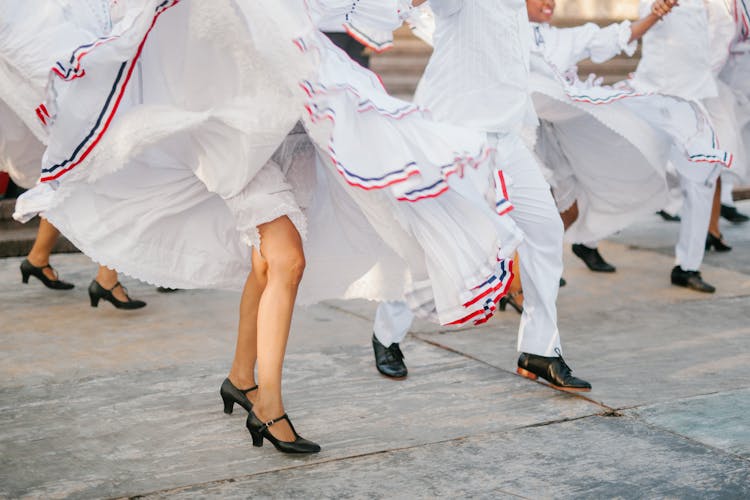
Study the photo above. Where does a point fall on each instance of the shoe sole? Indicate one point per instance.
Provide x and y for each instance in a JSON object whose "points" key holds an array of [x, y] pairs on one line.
{"points": [[391, 377], [533, 376], [693, 288]]}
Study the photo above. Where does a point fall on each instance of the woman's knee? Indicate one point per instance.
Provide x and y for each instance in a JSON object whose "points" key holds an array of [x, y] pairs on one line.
{"points": [[287, 266]]}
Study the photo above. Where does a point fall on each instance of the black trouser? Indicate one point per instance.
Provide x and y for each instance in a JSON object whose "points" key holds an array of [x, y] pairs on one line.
{"points": [[352, 47]]}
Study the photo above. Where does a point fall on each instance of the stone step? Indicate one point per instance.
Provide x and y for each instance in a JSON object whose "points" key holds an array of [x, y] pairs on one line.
{"points": [[16, 239], [18, 242], [6, 217]]}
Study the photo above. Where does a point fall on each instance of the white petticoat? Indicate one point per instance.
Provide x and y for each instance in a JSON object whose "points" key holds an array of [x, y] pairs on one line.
{"points": [[158, 163]]}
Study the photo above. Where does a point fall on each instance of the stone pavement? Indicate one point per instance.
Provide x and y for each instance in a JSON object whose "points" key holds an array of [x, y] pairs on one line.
{"points": [[102, 403]]}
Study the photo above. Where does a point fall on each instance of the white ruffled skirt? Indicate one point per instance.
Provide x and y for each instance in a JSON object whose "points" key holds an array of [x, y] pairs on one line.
{"points": [[609, 148], [169, 144]]}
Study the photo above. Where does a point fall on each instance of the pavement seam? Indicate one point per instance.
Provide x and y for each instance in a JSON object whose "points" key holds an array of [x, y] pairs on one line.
{"points": [[215, 482], [642, 406], [711, 447], [433, 343]]}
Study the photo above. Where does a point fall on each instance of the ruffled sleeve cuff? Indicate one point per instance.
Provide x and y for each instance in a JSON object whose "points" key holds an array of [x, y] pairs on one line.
{"points": [[610, 41], [626, 33]]}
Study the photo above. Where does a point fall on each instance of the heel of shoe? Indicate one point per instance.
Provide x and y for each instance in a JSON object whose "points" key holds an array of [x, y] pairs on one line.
{"points": [[228, 404], [94, 300], [25, 277], [257, 438], [526, 373]]}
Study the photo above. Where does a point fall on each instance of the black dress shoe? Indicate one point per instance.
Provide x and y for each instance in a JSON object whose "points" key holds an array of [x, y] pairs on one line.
{"points": [[29, 269], [690, 279], [669, 217], [592, 258], [553, 370], [732, 215], [231, 395], [98, 292], [260, 430], [165, 289], [717, 242], [389, 360]]}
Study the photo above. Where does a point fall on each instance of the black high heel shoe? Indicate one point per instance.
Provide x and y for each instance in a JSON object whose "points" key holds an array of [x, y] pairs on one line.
{"points": [[259, 430], [231, 395], [717, 242], [29, 269], [98, 292], [510, 300]]}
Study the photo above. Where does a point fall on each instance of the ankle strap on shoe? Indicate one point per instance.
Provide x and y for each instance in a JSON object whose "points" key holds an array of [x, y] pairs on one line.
{"points": [[268, 424], [245, 391], [115, 286]]}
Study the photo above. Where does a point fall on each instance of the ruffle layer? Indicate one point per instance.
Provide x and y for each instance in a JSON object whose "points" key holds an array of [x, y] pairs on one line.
{"points": [[215, 134], [683, 121]]}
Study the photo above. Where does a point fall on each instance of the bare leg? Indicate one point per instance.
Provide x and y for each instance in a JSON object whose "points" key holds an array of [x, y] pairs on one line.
{"points": [[282, 262], [570, 215], [713, 225], [108, 278], [516, 287], [46, 237], [242, 374]]}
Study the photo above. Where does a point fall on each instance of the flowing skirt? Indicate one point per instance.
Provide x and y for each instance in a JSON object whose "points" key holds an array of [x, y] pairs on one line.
{"points": [[169, 143], [610, 149]]}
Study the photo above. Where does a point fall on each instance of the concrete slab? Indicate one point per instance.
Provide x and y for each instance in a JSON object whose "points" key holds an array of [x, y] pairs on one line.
{"points": [[100, 402], [590, 458], [636, 355], [636, 337], [653, 233], [50, 336], [718, 420], [144, 430]]}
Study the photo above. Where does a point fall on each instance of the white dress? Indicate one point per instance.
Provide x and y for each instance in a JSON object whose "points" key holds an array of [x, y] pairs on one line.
{"points": [[164, 157], [603, 156], [24, 71], [736, 76], [683, 56]]}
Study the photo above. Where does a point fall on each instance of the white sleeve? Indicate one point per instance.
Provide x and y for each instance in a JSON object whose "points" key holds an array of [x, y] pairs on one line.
{"points": [[445, 8], [610, 41], [591, 41]]}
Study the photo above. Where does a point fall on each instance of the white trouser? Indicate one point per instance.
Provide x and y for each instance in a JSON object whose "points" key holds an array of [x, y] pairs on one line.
{"points": [[536, 214], [674, 203], [392, 322], [697, 183]]}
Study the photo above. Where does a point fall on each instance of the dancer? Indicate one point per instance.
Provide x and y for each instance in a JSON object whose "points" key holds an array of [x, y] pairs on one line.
{"points": [[736, 75], [683, 57], [488, 90], [217, 193], [605, 170], [23, 76]]}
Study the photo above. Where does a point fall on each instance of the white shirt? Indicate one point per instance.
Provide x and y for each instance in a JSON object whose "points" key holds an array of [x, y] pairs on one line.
{"points": [[478, 74], [560, 49], [678, 56]]}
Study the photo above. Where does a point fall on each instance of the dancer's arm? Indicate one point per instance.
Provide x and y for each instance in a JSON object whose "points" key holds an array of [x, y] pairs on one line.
{"points": [[659, 9], [602, 44]]}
